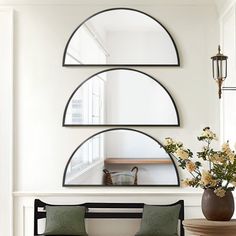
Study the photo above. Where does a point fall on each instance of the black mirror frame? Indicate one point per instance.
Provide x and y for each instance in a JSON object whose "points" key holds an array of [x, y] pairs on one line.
{"points": [[94, 125], [107, 130], [120, 8]]}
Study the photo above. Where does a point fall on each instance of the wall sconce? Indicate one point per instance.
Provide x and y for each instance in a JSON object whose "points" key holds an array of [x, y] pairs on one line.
{"points": [[219, 69]]}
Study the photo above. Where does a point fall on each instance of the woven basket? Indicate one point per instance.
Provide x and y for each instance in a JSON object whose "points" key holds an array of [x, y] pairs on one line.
{"points": [[107, 178]]}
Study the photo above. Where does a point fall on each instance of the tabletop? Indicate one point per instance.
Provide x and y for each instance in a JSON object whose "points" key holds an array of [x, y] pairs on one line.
{"points": [[202, 227]]}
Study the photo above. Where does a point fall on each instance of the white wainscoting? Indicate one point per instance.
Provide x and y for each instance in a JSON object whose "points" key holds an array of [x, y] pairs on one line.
{"points": [[24, 206]]}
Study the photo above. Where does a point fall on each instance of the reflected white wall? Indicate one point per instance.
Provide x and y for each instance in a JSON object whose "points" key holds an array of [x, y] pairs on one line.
{"points": [[126, 144], [134, 98], [155, 47]]}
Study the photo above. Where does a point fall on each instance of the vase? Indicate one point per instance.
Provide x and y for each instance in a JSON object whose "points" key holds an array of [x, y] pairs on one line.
{"points": [[217, 208]]}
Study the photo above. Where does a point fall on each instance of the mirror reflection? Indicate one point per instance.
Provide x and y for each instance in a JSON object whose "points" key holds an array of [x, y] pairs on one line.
{"points": [[120, 157], [121, 97], [121, 36]]}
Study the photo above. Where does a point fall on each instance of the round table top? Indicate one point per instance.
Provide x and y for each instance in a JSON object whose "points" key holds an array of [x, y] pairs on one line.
{"points": [[209, 223], [206, 227]]}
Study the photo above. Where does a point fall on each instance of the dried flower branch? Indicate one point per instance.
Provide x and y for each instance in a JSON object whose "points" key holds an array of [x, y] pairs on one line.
{"points": [[221, 175]]}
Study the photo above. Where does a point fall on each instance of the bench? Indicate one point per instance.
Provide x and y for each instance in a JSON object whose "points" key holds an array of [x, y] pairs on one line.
{"points": [[105, 211]]}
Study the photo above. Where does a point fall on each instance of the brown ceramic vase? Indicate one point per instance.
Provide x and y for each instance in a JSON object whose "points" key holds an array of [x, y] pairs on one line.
{"points": [[217, 208]]}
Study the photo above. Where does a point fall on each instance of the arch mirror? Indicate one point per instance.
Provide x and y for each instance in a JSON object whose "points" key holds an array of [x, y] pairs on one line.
{"points": [[121, 97], [118, 151], [121, 36]]}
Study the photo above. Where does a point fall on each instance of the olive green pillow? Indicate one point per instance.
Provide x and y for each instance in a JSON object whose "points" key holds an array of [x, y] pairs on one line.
{"points": [[159, 221], [65, 220]]}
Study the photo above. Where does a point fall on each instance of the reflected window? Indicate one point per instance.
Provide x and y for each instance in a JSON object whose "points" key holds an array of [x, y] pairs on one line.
{"points": [[87, 106], [85, 158], [85, 48]]}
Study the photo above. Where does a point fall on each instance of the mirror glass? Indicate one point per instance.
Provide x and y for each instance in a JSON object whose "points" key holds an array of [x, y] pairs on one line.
{"points": [[121, 97], [120, 157], [121, 36]]}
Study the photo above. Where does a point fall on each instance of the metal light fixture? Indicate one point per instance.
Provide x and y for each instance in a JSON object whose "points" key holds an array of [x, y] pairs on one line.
{"points": [[219, 69]]}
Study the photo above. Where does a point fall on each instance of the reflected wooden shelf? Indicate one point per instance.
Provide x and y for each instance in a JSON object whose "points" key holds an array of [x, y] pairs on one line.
{"points": [[137, 161]]}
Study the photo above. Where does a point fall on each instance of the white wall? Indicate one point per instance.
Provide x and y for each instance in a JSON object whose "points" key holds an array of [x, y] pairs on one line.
{"points": [[228, 39], [6, 120], [228, 101], [42, 87]]}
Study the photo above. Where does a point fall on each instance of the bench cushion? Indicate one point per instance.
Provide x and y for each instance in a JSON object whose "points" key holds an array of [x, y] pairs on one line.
{"points": [[159, 221], [65, 220]]}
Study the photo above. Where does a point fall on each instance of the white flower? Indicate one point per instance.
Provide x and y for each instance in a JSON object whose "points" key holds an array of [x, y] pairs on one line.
{"points": [[220, 192], [217, 159], [182, 154], [230, 154], [180, 144], [207, 179], [231, 157], [168, 141], [190, 166], [226, 148], [186, 182], [207, 133]]}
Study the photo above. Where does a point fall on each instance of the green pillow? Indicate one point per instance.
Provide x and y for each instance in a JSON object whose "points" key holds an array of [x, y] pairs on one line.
{"points": [[159, 221], [65, 220]]}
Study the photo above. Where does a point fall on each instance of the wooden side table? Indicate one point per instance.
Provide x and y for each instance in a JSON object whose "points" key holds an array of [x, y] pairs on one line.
{"points": [[202, 227]]}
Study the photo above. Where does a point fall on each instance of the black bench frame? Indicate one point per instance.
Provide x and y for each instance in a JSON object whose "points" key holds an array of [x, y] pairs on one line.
{"points": [[40, 213]]}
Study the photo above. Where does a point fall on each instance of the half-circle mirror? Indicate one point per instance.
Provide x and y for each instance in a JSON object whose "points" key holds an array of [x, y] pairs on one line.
{"points": [[121, 36], [121, 97], [120, 156]]}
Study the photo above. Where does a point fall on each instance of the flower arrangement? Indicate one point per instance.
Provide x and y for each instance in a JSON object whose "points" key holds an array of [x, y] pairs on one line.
{"points": [[221, 175]]}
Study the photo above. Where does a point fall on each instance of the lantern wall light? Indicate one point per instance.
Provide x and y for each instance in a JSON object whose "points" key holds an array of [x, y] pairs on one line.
{"points": [[219, 69]]}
